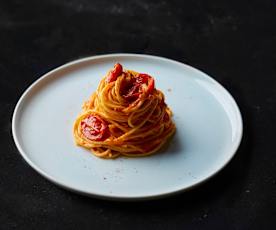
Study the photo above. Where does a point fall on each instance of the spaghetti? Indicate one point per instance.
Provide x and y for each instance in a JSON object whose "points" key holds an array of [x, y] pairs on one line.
{"points": [[126, 116]]}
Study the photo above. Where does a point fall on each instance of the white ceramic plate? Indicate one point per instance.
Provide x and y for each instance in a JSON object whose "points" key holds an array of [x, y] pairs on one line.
{"points": [[208, 121]]}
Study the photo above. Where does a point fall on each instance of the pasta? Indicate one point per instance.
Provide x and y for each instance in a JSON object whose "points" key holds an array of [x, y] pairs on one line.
{"points": [[126, 116]]}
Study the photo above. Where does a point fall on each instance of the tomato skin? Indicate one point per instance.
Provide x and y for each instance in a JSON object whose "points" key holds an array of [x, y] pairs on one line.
{"points": [[150, 85], [133, 88], [94, 128], [115, 73], [132, 93], [142, 78], [145, 78]]}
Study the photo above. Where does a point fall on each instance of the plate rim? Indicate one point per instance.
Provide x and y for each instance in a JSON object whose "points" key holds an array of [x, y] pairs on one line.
{"points": [[16, 113]]}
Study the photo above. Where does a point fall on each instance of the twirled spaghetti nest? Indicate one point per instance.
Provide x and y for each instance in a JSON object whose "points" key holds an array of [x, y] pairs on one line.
{"points": [[126, 115]]}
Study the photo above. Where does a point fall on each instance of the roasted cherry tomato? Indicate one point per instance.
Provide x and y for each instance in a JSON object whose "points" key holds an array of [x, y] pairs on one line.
{"points": [[143, 83], [115, 73], [94, 128]]}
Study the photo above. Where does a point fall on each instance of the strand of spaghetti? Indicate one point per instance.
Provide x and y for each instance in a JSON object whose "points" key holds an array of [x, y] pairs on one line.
{"points": [[152, 151], [117, 90], [140, 125], [158, 130], [155, 103], [140, 113]]}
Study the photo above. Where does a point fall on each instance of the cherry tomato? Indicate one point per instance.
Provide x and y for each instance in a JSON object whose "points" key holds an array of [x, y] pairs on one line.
{"points": [[115, 73], [134, 87], [94, 128], [150, 85]]}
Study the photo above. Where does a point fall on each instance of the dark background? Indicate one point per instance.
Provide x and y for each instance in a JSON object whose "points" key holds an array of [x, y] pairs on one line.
{"points": [[233, 41]]}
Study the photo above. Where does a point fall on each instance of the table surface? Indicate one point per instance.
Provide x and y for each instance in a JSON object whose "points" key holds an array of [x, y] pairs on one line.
{"points": [[233, 42]]}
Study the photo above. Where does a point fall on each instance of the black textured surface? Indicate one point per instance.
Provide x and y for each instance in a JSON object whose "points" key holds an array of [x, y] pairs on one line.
{"points": [[235, 42]]}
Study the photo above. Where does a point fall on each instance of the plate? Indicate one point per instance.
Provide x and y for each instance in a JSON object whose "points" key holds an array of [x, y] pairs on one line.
{"points": [[208, 121]]}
